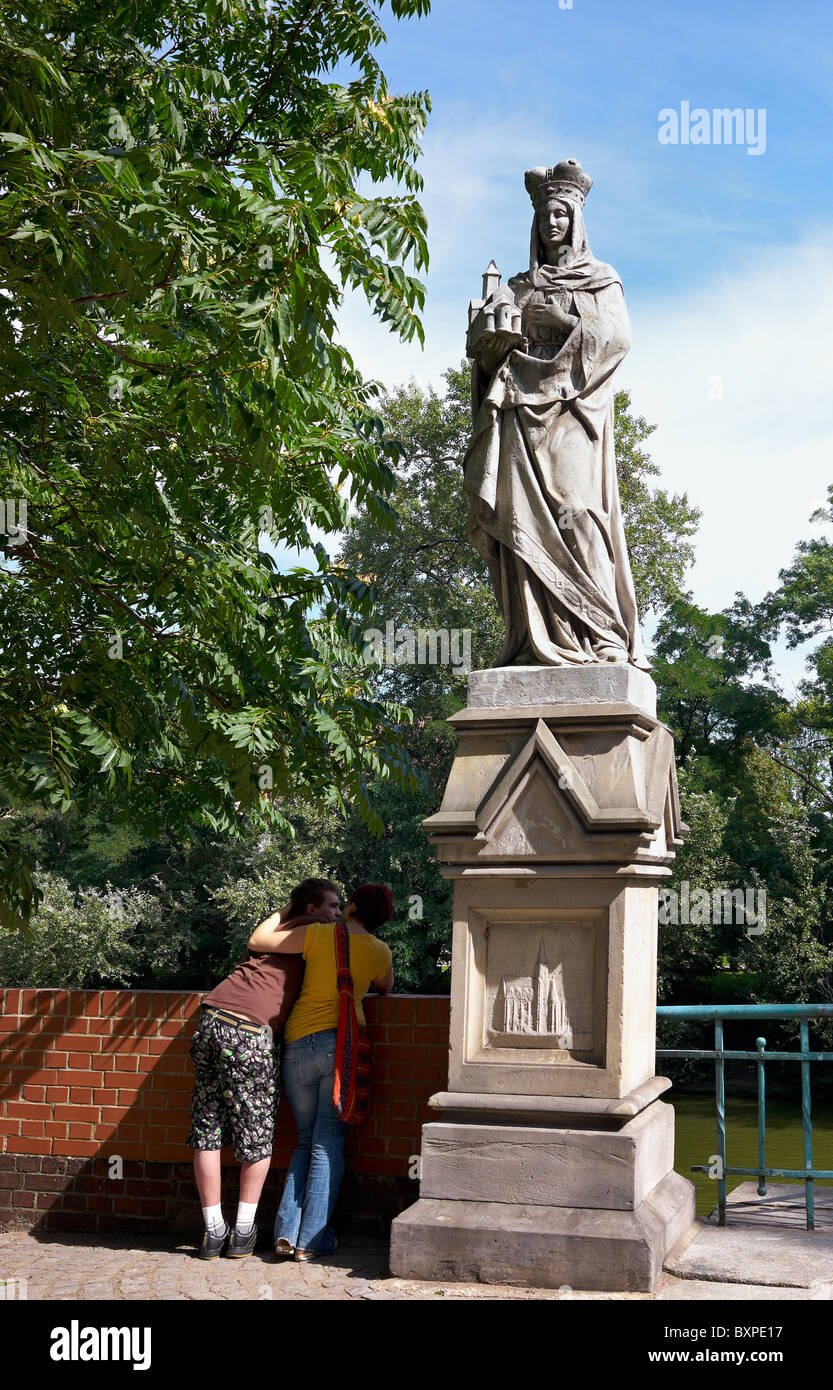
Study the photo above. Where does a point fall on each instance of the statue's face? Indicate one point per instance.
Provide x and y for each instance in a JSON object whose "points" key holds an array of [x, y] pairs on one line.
{"points": [[553, 228]]}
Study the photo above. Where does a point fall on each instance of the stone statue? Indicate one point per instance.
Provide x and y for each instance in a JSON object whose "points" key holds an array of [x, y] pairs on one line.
{"points": [[540, 474]]}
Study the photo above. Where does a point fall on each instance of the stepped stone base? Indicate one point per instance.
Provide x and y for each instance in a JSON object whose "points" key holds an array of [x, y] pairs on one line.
{"points": [[543, 1247]]}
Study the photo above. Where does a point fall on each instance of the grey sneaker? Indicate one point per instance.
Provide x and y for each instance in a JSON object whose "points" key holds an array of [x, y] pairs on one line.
{"points": [[212, 1245], [240, 1246]]}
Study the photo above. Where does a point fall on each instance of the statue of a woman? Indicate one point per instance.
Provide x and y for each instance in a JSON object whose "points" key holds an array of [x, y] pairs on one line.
{"points": [[540, 474]]}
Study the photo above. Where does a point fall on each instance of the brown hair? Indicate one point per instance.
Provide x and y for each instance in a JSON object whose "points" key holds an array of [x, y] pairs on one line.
{"points": [[311, 890], [374, 905]]}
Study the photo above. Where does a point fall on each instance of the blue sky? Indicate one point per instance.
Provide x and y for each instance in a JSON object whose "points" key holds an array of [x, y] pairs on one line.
{"points": [[726, 256]]}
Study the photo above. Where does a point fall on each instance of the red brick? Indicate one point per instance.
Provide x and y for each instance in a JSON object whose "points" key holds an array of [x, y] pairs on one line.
{"points": [[83, 1043], [103, 1132], [45, 1182], [11, 1002], [104, 1097], [76, 1112], [38, 1077], [403, 1109], [78, 1061], [173, 1153], [60, 1001], [56, 1059], [54, 1129], [404, 1148], [80, 1095], [32, 1128], [71, 1221], [87, 1079], [126, 1063], [8, 1024], [26, 1145], [371, 1146], [47, 1200], [124, 1150], [34, 1093], [27, 1111], [100, 1026], [153, 1206], [179, 1083], [112, 1114], [378, 1166], [170, 1030], [11, 1180], [78, 1147], [107, 1002], [78, 1026], [23, 1199], [28, 1001]]}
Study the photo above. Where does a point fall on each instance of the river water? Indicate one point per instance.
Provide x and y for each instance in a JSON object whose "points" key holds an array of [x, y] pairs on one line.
{"points": [[696, 1139]]}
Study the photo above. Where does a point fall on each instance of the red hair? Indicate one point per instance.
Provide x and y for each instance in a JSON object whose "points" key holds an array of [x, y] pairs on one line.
{"points": [[374, 904]]}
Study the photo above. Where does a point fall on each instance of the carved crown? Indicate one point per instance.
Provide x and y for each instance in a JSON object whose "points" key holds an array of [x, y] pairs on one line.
{"points": [[568, 177]]}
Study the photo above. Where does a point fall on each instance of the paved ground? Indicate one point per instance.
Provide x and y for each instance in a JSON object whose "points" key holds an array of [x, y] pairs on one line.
{"points": [[81, 1267]]}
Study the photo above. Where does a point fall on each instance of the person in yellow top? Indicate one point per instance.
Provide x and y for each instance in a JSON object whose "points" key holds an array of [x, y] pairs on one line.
{"points": [[312, 1182]]}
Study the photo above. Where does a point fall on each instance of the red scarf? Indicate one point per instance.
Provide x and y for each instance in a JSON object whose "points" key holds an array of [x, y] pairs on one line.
{"points": [[351, 1080]]}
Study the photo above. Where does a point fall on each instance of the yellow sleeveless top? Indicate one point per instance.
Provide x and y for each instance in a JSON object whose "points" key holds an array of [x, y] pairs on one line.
{"points": [[316, 1008]]}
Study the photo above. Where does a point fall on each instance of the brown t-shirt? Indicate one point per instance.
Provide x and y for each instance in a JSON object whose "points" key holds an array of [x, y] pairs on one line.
{"points": [[265, 985]]}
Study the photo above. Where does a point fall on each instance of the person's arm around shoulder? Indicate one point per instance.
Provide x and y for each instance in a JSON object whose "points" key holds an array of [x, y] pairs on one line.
{"points": [[384, 984], [269, 937]]}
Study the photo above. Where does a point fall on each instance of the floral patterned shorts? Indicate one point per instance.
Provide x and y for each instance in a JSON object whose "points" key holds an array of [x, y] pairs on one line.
{"points": [[237, 1089]]}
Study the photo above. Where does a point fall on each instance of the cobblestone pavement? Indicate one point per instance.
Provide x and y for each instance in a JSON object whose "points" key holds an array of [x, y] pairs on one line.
{"points": [[84, 1267], [110, 1267]]}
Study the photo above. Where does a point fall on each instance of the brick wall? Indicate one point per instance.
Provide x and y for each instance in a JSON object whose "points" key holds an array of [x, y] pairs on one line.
{"points": [[86, 1075]]}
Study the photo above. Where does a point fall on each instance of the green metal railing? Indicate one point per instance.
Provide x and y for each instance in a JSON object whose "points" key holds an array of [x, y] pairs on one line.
{"points": [[704, 1013]]}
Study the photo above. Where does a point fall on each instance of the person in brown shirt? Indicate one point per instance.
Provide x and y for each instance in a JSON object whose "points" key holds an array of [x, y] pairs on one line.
{"points": [[236, 1054]]}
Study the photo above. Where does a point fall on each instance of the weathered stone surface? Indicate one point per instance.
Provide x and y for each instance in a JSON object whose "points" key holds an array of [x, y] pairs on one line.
{"points": [[553, 1110], [608, 985], [604, 683], [509, 1243], [549, 1167], [730, 1254], [783, 1205]]}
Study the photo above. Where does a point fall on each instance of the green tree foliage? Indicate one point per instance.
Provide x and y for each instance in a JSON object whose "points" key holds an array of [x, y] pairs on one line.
{"points": [[83, 939], [756, 809], [177, 178]]}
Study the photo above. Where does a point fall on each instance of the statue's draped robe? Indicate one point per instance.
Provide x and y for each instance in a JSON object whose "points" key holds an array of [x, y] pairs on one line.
{"points": [[540, 474]]}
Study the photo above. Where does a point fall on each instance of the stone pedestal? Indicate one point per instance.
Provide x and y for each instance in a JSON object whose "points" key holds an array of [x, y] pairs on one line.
{"points": [[551, 1158]]}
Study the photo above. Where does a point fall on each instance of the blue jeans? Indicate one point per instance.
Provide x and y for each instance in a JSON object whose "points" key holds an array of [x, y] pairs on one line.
{"points": [[317, 1166]]}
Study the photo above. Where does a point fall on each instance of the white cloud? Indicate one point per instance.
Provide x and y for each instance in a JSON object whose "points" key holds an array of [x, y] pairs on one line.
{"points": [[759, 458]]}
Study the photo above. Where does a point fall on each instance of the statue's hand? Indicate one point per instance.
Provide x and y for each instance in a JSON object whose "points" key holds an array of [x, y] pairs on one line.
{"points": [[546, 322], [494, 344]]}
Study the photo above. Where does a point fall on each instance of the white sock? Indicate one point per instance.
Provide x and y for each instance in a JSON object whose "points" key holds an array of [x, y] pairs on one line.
{"points": [[245, 1217], [213, 1218]]}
